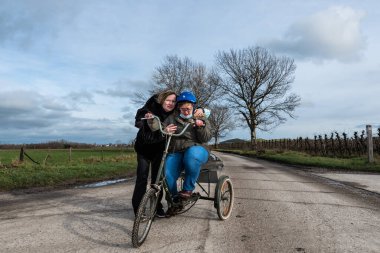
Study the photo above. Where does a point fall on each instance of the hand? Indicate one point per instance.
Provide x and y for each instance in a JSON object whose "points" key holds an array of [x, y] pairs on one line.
{"points": [[148, 115], [198, 113], [199, 123], [171, 128]]}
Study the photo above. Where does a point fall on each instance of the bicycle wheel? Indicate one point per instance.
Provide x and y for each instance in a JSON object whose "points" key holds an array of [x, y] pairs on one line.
{"points": [[144, 217], [224, 197]]}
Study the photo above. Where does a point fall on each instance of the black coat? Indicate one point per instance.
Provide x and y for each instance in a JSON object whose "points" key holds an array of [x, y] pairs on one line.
{"points": [[156, 145]]}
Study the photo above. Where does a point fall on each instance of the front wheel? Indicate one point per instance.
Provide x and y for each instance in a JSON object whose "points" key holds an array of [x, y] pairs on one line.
{"points": [[224, 197], [144, 217]]}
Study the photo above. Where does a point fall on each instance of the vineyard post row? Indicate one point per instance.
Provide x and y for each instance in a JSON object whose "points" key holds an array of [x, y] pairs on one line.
{"points": [[337, 145]]}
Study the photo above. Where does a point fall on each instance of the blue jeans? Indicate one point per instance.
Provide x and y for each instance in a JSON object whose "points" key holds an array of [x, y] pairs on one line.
{"points": [[191, 161]]}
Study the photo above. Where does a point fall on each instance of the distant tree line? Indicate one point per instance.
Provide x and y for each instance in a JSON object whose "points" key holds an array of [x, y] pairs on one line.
{"points": [[60, 144]]}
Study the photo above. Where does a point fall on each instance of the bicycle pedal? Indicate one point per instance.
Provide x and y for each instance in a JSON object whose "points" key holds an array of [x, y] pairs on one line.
{"points": [[192, 199], [173, 211], [195, 196]]}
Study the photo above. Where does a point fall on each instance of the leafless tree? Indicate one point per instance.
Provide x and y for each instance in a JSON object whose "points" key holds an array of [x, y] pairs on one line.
{"points": [[184, 74], [221, 121], [256, 83]]}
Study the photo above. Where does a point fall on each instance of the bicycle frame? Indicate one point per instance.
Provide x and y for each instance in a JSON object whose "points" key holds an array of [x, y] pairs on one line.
{"points": [[160, 180]]}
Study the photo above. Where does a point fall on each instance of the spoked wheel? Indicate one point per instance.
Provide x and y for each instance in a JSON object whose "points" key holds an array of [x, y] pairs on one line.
{"points": [[224, 197], [144, 217]]}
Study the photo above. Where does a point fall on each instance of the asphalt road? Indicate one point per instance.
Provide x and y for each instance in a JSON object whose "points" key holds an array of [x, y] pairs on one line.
{"points": [[277, 209]]}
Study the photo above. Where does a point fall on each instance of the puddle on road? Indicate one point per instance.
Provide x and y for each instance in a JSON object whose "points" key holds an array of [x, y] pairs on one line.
{"points": [[103, 183]]}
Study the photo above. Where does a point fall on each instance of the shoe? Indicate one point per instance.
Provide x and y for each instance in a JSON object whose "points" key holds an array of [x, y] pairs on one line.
{"points": [[171, 212], [177, 199], [160, 213], [185, 194]]}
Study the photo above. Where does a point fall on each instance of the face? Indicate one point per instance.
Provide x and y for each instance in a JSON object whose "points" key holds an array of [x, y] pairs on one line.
{"points": [[186, 109], [169, 103]]}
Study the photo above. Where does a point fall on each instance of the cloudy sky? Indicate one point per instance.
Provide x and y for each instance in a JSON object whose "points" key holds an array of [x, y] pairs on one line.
{"points": [[69, 69]]}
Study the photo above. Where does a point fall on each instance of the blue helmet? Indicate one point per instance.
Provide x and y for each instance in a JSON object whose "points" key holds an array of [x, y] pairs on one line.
{"points": [[186, 96]]}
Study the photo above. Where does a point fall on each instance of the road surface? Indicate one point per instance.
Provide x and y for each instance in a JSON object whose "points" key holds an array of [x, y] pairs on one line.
{"points": [[277, 209]]}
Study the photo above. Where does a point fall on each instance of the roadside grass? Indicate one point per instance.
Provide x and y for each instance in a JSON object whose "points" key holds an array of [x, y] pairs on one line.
{"points": [[55, 168], [303, 159]]}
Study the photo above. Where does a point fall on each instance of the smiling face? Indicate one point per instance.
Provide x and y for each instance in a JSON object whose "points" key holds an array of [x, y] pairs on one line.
{"points": [[169, 103]]}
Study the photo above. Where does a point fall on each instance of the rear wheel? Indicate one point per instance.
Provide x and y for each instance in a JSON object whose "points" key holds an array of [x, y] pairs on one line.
{"points": [[144, 217], [224, 197]]}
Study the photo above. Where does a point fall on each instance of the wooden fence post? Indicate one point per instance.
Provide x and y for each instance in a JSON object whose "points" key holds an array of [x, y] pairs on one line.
{"points": [[369, 144], [21, 159]]}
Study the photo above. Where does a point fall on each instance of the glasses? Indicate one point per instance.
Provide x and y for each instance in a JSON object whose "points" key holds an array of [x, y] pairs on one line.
{"points": [[185, 109]]}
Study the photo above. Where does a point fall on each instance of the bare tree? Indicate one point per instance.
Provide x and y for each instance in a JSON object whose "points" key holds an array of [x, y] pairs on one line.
{"points": [[256, 83], [221, 121], [184, 74]]}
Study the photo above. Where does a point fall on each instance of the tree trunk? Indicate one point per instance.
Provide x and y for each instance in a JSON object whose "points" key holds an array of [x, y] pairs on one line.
{"points": [[253, 138], [216, 141]]}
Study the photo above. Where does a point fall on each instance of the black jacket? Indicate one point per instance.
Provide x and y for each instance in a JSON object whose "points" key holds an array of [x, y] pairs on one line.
{"points": [[155, 146]]}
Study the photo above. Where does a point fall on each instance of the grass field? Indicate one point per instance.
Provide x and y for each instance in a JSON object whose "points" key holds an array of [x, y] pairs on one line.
{"points": [[55, 167]]}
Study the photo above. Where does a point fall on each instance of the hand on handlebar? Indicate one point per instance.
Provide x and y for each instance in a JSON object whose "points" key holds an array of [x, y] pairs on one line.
{"points": [[171, 128], [148, 115]]}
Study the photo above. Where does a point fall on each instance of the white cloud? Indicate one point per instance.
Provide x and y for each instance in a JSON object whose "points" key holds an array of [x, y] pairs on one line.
{"points": [[27, 109], [81, 97], [70, 69], [334, 33], [29, 116], [126, 88]]}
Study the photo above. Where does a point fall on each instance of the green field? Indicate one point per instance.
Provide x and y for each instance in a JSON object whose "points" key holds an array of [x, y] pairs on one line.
{"points": [[58, 168]]}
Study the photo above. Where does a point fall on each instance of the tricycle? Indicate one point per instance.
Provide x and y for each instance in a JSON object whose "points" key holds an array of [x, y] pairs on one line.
{"points": [[211, 173]]}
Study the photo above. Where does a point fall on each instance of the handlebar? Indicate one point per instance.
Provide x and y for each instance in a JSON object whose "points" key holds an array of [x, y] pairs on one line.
{"points": [[166, 133]]}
